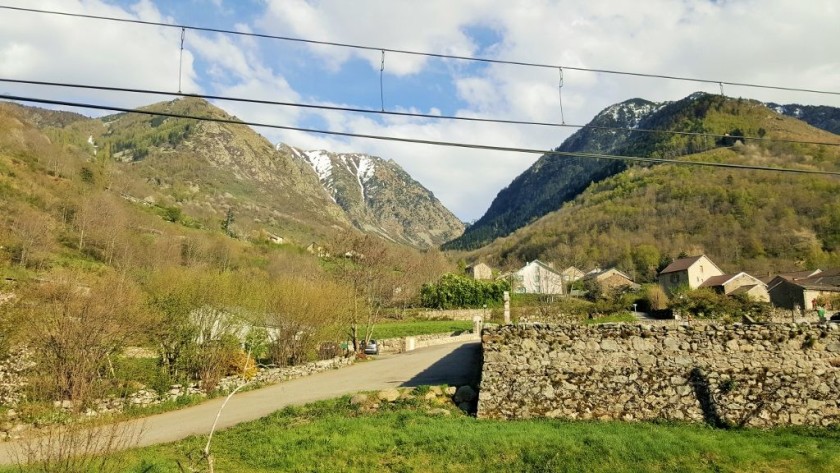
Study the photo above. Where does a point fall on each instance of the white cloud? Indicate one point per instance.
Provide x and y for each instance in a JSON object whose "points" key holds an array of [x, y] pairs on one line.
{"points": [[72, 50]]}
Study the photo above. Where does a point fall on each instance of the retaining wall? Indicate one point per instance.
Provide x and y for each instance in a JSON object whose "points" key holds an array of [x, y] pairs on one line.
{"points": [[755, 375], [400, 345]]}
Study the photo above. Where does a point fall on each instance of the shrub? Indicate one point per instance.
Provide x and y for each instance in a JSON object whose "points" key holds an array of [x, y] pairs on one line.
{"points": [[456, 292]]}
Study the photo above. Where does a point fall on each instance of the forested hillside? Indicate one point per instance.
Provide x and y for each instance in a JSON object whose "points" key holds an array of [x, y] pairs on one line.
{"points": [[743, 219], [89, 265], [556, 179]]}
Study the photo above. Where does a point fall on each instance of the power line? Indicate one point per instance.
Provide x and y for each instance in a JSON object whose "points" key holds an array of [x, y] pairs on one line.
{"points": [[409, 114], [420, 53], [451, 144]]}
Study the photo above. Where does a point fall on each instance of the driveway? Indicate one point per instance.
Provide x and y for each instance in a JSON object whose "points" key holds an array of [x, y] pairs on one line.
{"points": [[455, 364]]}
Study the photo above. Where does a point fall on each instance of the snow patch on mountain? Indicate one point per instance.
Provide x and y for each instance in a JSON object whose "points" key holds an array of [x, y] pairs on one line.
{"points": [[631, 113]]}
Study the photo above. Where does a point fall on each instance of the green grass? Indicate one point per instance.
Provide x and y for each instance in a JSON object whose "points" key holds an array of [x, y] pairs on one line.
{"points": [[419, 327], [336, 437], [611, 319]]}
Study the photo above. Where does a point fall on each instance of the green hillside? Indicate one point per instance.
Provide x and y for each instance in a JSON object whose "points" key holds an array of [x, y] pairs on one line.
{"points": [[554, 180], [754, 220]]}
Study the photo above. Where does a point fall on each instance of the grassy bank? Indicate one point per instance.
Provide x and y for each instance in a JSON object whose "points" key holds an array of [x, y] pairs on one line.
{"points": [[419, 327], [334, 436]]}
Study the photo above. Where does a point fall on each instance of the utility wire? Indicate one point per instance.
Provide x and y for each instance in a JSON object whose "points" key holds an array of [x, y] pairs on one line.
{"points": [[420, 53], [452, 144], [409, 114]]}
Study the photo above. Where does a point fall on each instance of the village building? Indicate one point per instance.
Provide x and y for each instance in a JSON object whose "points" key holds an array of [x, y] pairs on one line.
{"points": [[691, 272], [610, 280], [479, 271], [537, 277], [572, 274], [805, 293], [741, 283]]}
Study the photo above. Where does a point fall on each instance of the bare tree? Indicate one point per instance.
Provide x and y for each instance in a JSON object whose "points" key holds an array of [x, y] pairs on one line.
{"points": [[368, 267]]}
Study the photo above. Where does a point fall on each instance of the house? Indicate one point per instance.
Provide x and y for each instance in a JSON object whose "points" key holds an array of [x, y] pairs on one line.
{"points": [[572, 274], [537, 277], [479, 271], [610, 280], [741, 283], [790, 292], [691, 272], [276, 239]]}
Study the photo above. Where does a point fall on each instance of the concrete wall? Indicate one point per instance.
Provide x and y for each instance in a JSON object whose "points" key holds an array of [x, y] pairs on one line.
{"points": [[757, 375]]}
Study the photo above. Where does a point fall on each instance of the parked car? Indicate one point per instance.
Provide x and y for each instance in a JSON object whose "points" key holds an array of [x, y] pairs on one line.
{"points": [[372, 348]]}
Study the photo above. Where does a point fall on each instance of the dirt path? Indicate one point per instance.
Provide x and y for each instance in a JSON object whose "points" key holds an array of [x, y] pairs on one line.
{"points": [[456, 364]]}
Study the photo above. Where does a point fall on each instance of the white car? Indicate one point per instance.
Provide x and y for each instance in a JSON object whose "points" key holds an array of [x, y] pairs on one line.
{"points": [[372, 348]]}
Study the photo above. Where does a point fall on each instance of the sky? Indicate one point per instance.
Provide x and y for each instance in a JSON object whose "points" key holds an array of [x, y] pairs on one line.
{"points": [[768, 42]]}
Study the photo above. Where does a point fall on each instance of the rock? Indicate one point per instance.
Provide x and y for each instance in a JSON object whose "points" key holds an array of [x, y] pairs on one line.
{"points": [[358, 399], [430, 396], [450, 390], [464, 394], [389, 395], [436, 390], [609, 345]]}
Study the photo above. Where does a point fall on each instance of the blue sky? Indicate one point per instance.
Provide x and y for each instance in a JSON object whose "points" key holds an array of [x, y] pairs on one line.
{"points": [[773, 42]]}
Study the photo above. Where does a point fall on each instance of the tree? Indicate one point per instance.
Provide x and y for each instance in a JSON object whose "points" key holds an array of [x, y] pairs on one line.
{"points": [[367, 266], [75, 323]]}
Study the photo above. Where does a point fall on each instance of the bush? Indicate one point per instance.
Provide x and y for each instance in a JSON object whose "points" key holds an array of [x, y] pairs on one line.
{"points": [[458, 292], [705, 303]]}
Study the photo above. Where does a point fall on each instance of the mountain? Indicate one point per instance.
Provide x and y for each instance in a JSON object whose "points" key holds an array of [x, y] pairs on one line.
{"points": [[379, 197], [819, 116], [214, 175], [556, 179], [214, 171], [641, 216]]}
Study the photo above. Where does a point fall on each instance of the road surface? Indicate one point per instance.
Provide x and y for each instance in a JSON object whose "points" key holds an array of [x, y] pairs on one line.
{"points": [[455, 364]]}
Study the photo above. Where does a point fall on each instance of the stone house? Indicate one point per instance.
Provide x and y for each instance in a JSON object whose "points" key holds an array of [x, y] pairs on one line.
{"points": [[741, 283], [691, 272], [537, 277], [791, 292], [572, 274], [479, 271], [610, 280]]}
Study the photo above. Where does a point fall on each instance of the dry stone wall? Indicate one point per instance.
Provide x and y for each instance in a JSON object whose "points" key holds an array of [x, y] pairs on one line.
{"points": [[753, 375]]}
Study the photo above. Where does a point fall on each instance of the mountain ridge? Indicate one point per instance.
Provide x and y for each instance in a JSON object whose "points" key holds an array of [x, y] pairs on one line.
{"points": [[380, 197], [553, 179]]}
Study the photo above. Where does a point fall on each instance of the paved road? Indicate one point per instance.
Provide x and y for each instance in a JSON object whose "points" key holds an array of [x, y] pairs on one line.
{"points": [[456, 364]]}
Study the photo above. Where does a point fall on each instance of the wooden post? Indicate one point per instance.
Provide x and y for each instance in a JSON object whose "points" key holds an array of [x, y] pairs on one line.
{"points": [[507, 307]]}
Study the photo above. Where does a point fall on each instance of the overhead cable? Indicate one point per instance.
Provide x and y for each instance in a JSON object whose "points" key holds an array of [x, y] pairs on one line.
{"points": [[452, 144], [409, 114], [420, 53]]}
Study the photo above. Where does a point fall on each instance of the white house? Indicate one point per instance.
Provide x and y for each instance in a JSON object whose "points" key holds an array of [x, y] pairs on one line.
{"points": [[537, 277]]}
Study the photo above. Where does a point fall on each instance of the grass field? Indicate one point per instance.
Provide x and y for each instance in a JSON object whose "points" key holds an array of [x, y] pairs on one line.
{"points": [[419, 327], [333, 436]]}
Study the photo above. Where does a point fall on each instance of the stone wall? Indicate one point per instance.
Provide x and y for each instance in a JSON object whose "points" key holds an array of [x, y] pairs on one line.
{"points": [[755, 375], [456, 314], [403, 344], [12, 376]]}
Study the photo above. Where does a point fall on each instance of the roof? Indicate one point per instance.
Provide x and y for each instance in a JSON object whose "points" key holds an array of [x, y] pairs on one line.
{"points": [[718, 280], [828, 280], [597, 274], [681, 264], [540, 263], [792, 276]]}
